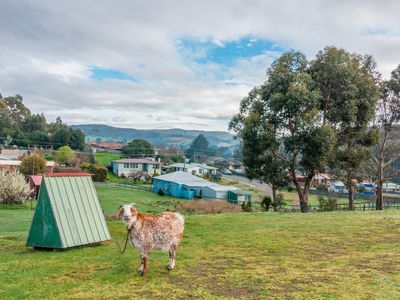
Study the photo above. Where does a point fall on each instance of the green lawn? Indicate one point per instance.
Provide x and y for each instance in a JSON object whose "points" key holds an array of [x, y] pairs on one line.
{"points": [[105, 158], [337, 255]]}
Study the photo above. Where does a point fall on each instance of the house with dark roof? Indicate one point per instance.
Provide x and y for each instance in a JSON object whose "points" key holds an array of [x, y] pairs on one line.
{"points": [[129, 166]]}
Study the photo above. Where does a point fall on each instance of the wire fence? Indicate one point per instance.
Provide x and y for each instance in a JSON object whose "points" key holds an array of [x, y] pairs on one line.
{"points": [[123, 185], [357, 206]]}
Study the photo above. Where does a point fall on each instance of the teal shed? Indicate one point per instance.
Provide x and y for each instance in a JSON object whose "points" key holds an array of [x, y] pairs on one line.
{"points": [[68, 213], [239, 197]]}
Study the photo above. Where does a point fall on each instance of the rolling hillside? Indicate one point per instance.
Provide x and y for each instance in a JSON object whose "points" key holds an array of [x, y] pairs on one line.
{"points": [[158, 137]]}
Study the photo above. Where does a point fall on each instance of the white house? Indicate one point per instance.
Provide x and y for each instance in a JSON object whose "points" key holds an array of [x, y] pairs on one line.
{"points": [[128, 166], [192, 168]]}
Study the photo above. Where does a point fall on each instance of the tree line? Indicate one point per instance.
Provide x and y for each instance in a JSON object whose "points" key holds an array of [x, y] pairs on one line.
{"points": [[333, 114], [18, 126]]}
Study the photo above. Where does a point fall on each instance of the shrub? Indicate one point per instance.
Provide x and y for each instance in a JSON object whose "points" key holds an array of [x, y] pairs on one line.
{"points": [[65, 156], [329, 203], [278, 203], [321, 187], [266, 203], [13, 187], [122, 175], [247, 207], [290, 188], [99, 171], [32, 165], [161, 192]]}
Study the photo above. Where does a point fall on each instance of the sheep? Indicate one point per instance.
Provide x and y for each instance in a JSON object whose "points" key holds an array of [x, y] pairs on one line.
{"points": [[147, 232]]}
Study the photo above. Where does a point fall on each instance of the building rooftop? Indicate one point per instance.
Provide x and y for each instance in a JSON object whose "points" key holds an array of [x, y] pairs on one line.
{"points": [[181, 177], [49, 163], [222, 188], [191, 165], [137, 161], [187, 179]]}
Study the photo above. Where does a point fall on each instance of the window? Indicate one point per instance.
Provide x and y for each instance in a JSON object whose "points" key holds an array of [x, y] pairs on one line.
{"points": [[126, 165], [133, 166]]}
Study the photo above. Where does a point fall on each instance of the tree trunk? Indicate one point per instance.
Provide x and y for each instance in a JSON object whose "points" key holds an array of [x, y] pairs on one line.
{"points": [[303, 197], [304, 203], [273, 193], [379, 195], [350, 190], [351, 198]]}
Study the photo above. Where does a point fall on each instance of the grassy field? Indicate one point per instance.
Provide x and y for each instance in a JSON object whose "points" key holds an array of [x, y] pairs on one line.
{"points": [[337, 255], [105, 158]]}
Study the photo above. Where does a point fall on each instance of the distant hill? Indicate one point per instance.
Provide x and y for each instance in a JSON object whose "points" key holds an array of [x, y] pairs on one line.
{"points": [[158, 137]]}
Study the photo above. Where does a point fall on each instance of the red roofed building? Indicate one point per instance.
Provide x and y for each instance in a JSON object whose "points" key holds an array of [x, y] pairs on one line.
{"points": [[107, 145], [34, 183]]}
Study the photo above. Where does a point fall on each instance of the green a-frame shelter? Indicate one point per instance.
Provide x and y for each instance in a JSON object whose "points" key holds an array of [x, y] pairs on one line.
{"points": [[68, 213]]}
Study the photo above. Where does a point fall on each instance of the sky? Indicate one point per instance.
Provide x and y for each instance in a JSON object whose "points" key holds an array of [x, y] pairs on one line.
{"points": [[172, 64]]}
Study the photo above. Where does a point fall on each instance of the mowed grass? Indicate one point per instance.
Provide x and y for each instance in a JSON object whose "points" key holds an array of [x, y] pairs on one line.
{"points": [[105, 158], [336, 255]]}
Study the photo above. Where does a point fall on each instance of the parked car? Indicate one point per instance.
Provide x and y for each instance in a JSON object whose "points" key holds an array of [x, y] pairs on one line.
{"points": [[226, 172]]}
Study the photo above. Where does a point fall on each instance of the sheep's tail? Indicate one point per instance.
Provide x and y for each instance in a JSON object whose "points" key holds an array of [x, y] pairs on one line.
{"points": [[180, 218]]}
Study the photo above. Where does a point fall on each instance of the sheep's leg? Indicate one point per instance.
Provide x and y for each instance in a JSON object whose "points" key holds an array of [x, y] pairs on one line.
{"points": [[172, 256], [144, 266], [144, 272], [140, 270]]}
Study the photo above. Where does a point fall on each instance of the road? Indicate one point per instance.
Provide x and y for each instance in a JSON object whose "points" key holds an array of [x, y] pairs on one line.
{"points": [[265, 188]]}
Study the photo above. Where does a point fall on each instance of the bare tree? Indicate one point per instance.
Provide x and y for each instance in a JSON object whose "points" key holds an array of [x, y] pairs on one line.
{"points": [[381, 166]]}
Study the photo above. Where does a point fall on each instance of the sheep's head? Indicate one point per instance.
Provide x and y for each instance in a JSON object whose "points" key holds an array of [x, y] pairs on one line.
{"points": [[127, 213]]}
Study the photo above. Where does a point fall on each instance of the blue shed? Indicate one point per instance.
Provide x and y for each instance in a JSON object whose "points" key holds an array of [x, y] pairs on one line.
{"points": [[184, 185], [180, 184]]}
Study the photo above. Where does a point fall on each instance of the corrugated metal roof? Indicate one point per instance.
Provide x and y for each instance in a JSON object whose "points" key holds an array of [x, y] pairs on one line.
{"points": [[75, 212], [189, 180], [223, 188], [137, 161], [184, 178], [191, 165]]}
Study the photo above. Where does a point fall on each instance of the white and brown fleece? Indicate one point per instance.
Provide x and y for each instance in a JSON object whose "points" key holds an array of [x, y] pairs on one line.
{"points": [[147, 232]]}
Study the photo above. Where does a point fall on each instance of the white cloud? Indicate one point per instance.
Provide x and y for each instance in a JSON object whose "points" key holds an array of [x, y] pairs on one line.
{"points": [[48, 46]]}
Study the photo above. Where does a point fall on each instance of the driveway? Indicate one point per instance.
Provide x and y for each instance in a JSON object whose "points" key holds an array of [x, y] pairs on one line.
{"points": [[265, 188]]}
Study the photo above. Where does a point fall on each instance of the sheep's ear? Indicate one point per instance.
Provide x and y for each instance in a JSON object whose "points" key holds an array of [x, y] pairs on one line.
{"points": [[134, 212], [120, 211]]}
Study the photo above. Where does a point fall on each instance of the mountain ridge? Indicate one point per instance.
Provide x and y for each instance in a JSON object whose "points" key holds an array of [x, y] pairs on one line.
{"points": [[174, 137]]}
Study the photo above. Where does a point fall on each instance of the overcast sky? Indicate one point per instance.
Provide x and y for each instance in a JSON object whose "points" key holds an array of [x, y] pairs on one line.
{"points": [[168, 64]]}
